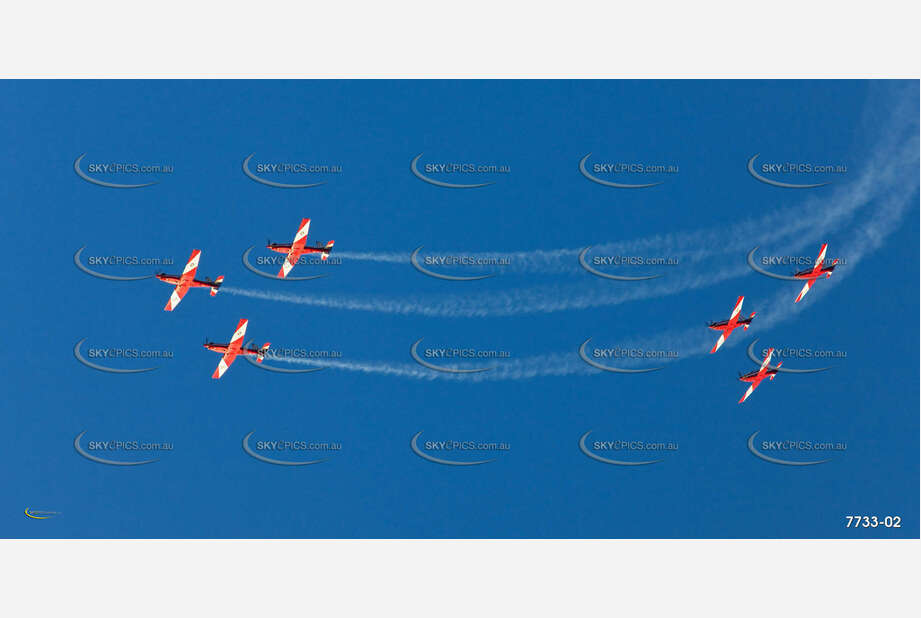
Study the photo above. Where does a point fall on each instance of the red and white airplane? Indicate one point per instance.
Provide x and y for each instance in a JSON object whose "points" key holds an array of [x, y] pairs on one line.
{"points": [[297, 248], [187, 280], [233, 349], [814, 273], [755, 377], [727, 326]]}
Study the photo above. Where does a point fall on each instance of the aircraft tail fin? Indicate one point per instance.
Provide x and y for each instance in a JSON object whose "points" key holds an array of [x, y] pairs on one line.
{"points": [[773, 375], [217, 285], [262, 351], [749, 324], [327, 249]]}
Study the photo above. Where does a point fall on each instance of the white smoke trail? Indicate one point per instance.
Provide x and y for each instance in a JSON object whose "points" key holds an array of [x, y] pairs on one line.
{"points": [[370, 256], [504, 303], [868, 236], [889, 186], [819, 218], [866, 239], [832, 212], [522, 369]]}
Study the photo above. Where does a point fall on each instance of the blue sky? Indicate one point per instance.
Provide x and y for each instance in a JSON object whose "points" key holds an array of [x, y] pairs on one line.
{"points": [[709, 213]]}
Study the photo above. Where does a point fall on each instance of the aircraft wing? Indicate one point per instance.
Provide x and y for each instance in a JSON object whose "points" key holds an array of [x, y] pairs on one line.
{"points": [[751, 389], [767, 360], [805, 289], [188, 273], [290, 260], [297, 248], [725, 334], [175, 298], [226, 361], [301, 237], [236, 342], [737, 308], [760, 376], [820, 261]]}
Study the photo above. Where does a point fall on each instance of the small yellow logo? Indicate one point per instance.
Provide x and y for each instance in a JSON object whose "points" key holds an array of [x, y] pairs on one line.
{"points": [[36, 514]]}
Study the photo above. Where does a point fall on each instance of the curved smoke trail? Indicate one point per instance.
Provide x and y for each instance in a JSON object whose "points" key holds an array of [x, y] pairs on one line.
{"points": [[867, 238], [831, 212], [818, 218]]}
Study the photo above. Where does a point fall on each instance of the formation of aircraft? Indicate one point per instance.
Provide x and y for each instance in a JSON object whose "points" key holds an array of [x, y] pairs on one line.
{"points": [[755, 377], [727, 326], [234, 349], [187, 280], [811, 275], [297, 248]]}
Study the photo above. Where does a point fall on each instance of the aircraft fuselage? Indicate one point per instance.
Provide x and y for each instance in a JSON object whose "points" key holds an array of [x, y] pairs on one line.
{"points": [[195, 283], [753, 376], [286, 247], [223, 348], [815, 274], [722, 324]]}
